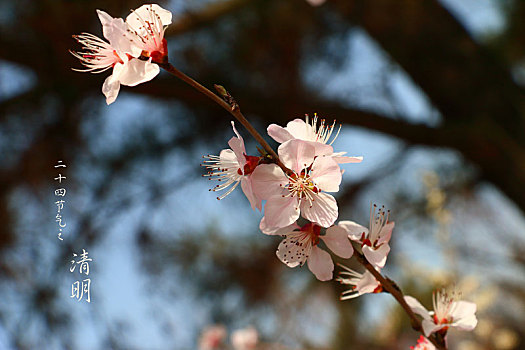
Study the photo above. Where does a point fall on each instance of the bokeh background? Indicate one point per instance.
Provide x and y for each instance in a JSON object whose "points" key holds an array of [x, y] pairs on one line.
{"points": [[430, 92]]}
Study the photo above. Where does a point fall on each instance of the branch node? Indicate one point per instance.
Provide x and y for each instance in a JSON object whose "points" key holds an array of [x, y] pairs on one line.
{"points": [[227, 97]]}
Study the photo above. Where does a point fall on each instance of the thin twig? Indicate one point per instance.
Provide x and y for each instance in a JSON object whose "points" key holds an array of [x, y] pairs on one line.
{"points": [[391, 287], [233, 110]]}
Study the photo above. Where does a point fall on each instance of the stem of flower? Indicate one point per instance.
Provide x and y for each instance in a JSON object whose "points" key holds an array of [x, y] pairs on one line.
{"points": [[233, 110], [391, 287]]}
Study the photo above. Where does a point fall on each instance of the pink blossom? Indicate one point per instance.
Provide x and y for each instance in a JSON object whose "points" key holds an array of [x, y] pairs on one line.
{"points": [[212, 337], [232, 167], [374, 241], [300, 245], [302, 191], [146, 28], [448, 312], [311, 132], [423, 344], [245, 339], [362, 283], [316, 2], [124, 47]]}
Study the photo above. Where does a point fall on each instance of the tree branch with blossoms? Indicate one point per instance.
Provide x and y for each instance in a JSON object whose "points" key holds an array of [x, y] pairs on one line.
{"points": [[294, 183]]}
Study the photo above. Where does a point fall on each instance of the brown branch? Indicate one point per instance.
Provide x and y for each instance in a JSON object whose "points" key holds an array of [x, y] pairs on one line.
{"points": [[392, 288], [234, 110]]}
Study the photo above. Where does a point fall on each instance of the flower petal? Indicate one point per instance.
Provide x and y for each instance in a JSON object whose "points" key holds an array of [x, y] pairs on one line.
{"points": [[293, 251], [377, 257], [463, 309], [296, 154], [110, 89], [281, 211], [417, 307], [268, 180], [430, 327], [336, 239], [301, 130], [236, 143], [386, 233], [353, 229], [144, 13], [466, 324], [137, 71], [115, 30], [463, 315], [340, 159], [277, 230], [326, 174], [279, 134], [321, 264], [323, 210], [246, 185]]}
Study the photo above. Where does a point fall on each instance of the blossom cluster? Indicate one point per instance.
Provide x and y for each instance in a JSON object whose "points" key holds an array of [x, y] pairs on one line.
{"points": [[300, 189], [133, 47], [294, 188], [299, 192], [214, 338]]}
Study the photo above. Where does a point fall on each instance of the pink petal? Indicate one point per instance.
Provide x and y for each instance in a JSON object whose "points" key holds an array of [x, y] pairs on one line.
{"points": [[143, 12], [466, 324], [430, 327], [237, 145], [463, 309], [367, 284], [321, 264], [463, 315], [323, 210], [353, 229], [322, 149], [386, 233], [336, 239], [115, 30], [227, 155], [277, 230], [246, 186], [279, 134], [281, 211], [110, 89], [296, 154], [346, 160], [268, 180], [377, 257], [301, 130], [293, 251], [326, 174], [137, 72], [416, 306]]}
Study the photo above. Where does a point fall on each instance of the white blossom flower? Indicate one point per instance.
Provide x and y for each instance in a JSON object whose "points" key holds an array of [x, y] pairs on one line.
{"points": [[374, 241], [448, 312], [302, 191], [311, 132], [232, 167], [362, 283], [423, 344], [146, 30], [119, 54], [212, 337], [300, 245], [245, 339]]}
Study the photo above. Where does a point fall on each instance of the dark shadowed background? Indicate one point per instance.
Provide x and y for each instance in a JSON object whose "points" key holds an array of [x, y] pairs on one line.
{"points": [[430, 92]]}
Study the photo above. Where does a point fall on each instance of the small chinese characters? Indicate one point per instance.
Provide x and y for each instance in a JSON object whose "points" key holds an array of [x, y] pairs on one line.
{"points": [[81, 289], [60, 194]]}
